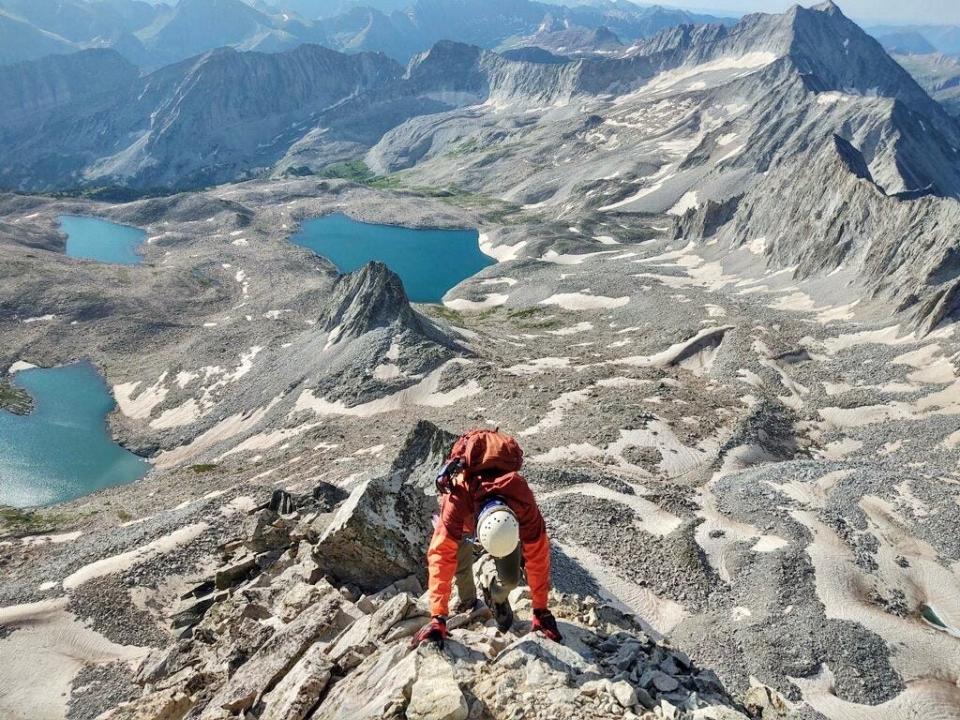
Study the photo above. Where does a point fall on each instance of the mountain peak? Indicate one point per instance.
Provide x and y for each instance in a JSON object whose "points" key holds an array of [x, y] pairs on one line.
{"points": [[446, 61], [834, 53], [603, 34], [828, 7], [366, 299]]}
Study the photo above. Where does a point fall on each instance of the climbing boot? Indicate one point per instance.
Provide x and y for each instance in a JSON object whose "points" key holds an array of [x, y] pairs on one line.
{"points": [[502, 612]]}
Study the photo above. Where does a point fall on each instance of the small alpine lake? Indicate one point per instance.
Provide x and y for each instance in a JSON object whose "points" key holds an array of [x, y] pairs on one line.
{"points": [[429, 261], [62, 449], [102, 240]]}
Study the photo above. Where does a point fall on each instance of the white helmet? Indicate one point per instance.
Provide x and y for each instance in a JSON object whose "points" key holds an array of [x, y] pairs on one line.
{"points": [[497, 529]]}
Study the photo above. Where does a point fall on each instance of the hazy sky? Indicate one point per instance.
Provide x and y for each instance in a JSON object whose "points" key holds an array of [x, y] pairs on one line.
{"points": [[901, 12]]}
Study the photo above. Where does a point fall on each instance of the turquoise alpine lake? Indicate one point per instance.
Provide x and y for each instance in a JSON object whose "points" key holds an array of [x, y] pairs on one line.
{"points": [[429, 261], [101, 240], [62, 449]]}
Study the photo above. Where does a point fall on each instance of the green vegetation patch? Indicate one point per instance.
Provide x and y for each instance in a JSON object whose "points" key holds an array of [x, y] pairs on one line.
{"points": [[17, 522], [386, 182], [532, 318], [354, 170], [203, 468], [13, 399], [526, 313], [446, 314], [468, 146]]}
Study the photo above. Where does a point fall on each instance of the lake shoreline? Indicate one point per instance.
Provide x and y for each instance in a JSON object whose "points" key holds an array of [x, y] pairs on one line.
{"points": [[429, 260], [69, 409]]}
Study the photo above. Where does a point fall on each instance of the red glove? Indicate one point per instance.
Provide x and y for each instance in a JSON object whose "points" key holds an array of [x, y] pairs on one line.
{"points": [[545, 623], [433, 632]]}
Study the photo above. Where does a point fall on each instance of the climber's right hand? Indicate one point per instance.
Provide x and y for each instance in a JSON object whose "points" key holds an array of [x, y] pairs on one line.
{"points": [[433, 632], [546, 624]]}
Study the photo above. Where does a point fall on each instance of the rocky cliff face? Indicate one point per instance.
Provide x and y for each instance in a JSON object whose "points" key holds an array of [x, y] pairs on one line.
{"points": [[237, 111], [366, 346], [216, 117]]}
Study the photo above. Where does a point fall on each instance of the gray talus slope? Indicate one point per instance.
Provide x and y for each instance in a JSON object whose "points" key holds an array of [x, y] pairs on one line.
{"points": [[303, 607]]}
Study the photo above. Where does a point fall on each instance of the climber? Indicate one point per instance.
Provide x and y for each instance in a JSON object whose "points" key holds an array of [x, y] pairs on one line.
{"points": [[485, 502]]}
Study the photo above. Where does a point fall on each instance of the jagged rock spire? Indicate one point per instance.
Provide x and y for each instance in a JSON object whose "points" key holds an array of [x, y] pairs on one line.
{"points": [[369, 298]]}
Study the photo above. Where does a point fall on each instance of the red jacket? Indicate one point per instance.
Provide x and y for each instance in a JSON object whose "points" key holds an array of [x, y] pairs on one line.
{"points": [[458, 513]]}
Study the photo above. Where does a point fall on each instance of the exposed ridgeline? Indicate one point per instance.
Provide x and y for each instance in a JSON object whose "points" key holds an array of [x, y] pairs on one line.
{"points": [[488, 23], [311, 610], [21, 41], [821, 58], [806, 75], [559, 37], [156, 34], [825, 212]]}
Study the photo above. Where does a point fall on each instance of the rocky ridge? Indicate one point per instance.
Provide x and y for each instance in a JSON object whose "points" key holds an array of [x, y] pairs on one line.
{"points": [[272, 634]]}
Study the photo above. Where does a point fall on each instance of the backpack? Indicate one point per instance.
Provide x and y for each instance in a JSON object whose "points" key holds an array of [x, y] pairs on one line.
{"points": [[484, 450]]}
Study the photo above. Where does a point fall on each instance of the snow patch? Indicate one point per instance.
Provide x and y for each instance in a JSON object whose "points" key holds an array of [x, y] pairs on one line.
{"points": [[583, 301], [126, 560], [20, 365], [500, 253], [688, 202]]}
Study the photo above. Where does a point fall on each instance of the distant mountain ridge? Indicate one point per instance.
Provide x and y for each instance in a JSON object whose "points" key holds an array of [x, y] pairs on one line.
{"points": [[943, 38], [228, 115], [906, 42], [153, 35]]}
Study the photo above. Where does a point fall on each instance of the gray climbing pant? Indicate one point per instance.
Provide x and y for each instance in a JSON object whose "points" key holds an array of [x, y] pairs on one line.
{"points": [[499, 575]]}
